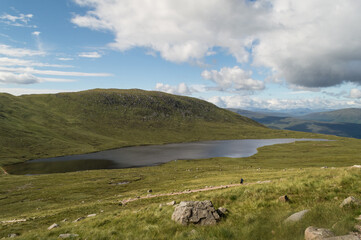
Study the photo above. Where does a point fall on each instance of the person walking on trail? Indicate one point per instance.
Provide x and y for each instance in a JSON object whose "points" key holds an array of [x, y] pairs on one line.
{"points": [[241, 181]]}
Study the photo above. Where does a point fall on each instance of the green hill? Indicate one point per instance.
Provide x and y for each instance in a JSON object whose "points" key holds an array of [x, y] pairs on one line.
{"points": [[349, 115], [342, 129], [36, 126]]}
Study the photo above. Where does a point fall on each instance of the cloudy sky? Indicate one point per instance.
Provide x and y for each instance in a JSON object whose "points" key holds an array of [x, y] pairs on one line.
{"points": [[274, 54]]}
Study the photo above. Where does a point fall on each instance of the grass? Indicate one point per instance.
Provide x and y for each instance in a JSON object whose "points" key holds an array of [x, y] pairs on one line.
{"points": [[255, 213], [38, 126]]}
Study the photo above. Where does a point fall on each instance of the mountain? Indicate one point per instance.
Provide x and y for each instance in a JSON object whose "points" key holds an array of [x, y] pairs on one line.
{"points": [[343, 129], [349, 115], [38, 126]]}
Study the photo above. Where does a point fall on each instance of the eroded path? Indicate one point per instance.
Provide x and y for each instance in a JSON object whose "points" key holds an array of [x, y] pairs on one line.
{"points": [[192, 191]]}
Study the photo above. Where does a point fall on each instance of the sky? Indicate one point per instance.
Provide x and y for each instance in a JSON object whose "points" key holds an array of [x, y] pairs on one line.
{"points": [[249, 54]]}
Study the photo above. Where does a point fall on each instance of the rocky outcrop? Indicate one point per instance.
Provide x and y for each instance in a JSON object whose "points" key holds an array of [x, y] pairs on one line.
{"points": [[202, 213], [345, 237], [350, 201], [314, 233], [296, 216]]}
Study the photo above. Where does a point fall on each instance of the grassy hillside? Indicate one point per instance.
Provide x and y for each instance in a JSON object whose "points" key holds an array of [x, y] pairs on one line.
{"points": [[350, 115], [254, 211], [36, 126], [343, 129]]}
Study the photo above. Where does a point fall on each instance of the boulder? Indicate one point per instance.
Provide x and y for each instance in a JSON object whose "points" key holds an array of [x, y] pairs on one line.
{"points": [[350, 201], [68, 235], [54, 225], [345, 237], [283, 199], [222, 211], [196, 212], [296, 216], [314, 233]]}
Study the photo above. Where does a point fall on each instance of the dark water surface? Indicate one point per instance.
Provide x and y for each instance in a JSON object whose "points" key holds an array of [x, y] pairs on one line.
{"points": [[146, 155]]}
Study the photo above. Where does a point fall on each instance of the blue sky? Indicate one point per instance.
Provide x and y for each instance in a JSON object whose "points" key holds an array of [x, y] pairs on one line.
{"points": [[274, 54]]}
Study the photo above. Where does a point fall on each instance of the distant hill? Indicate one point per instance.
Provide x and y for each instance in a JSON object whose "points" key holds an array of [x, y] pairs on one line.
{"points": [[349, 115], [37, 126], [343, 129]]}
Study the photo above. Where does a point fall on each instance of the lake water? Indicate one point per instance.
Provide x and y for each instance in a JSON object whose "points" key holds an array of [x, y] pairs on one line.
{"points": [[152, 155]]}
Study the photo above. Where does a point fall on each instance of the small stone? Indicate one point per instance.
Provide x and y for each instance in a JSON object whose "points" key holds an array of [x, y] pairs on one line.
{"points": [[68, 235], [350, 201], [283, 199], [358, 218], [356, 166], [172, 203], [222, 211], [150, 190], [314, 233], [54, 225], [65, 220], [193, 232], [13, 235], [296, 216], [358, 228], [78, 219], [91, 215]]}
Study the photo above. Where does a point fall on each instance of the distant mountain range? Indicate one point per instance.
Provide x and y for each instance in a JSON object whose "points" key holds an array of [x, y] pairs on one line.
{"points": [[344, 122]]}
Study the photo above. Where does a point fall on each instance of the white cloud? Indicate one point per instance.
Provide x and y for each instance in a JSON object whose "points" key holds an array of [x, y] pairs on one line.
{"points": [[26, 78], [246, 102], [52, 72], [19, 21], [22, 91], [233, 79], [36, 33], [355, 93], [308, 43], [5, 61], [18, 52], [181, 89], [65, 59], [180, 30], [90, 55]]}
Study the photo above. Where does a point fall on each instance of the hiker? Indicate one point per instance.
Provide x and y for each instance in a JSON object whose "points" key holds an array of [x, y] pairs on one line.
{"points": [[241, 180]]}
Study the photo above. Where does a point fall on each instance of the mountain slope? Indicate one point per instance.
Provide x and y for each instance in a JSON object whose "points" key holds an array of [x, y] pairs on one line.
{"points": [[349, 115], [36, 126], [342, 129]]}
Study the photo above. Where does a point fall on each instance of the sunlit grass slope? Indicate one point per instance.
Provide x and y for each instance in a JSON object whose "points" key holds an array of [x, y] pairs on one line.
{"points": [[35, 126], [254, 211]]}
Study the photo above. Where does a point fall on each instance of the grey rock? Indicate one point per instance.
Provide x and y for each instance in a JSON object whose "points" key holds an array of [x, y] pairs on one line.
{"points": [[13, 235], [283, 199], [78, 219], [91, 215], [222, 211], [345, 237], [172, 203], [296, 216], [358, 218], [68, 235], [350, 201], [150, 190], [195, 212], [314, 233], [54, 225], [358, 228]]}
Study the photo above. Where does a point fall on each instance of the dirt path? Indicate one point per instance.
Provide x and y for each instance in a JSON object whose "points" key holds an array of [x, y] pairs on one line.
{"points": [[191, 191]]}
